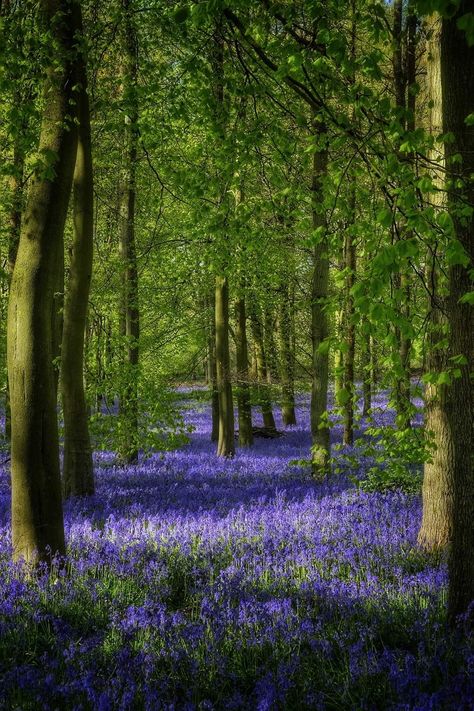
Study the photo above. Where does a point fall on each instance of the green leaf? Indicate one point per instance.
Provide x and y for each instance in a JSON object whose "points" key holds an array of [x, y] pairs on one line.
{"points": [[467, 298], [466, 23], [181, 13], [324, 346], [444, 378], [377, 312], [343, 396], [456, 254], [385, 217]]}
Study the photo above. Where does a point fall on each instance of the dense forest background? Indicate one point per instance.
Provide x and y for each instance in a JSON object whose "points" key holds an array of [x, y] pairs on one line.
{"points": [[263, 198]]}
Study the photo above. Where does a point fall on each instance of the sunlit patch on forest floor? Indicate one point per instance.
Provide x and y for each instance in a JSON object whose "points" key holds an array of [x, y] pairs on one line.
{"points": [[197, 583]]}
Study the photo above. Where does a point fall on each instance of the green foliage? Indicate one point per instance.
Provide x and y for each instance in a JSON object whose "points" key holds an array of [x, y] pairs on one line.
{"points": [[392, 459], [160, 426]]}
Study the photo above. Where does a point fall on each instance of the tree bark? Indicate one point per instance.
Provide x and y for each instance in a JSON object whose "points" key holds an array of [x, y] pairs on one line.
{"points": [[213, 371], [269, 343], [78, 475], [261, 362], [131, 313], [37, 517], [338, 356], [350, 267], [286, 359], [366, 358], [350, 332], [436, 525], [404, 77], [243, 389], [319, 320], [16, 184], [457, 79], [226, 445]]}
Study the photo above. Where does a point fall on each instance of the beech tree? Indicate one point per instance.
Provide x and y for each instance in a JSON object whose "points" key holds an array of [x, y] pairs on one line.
{"points": [[37, 519], [457, 82]]}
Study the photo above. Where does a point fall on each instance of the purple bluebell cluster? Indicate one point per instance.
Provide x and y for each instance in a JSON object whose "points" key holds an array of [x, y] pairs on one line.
{"points": [[199, 583]]}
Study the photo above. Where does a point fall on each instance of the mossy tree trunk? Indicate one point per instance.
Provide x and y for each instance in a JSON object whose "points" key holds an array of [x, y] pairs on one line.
{"points": [[16, 207], [37, 517], [436, 526], [78, 475]]}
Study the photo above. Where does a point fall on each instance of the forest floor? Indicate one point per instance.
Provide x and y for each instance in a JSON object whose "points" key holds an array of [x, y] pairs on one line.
{"points": [[197, 583]]}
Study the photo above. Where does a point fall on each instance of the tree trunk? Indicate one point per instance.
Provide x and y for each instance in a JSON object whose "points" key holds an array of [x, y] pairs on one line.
{"points": [[37, 517], [350, 268], [319, 321], [213, 370], [286, 360], [131, 314], [243, 390], [436, 525], [338, 357], [366, 358], [457, 79], [350, 333], [261, 363], [269, 343], [401, 81], [78, 476], [16, 183], [226, 445]]}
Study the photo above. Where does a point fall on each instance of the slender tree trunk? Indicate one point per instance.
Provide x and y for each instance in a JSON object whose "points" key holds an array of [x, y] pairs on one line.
{"points": [[226, 445], [286, 360], [37, 517], [213, 371], [131, 313], [366, 358], [253, 364], [78, 476], [243, 390], [262, 382], [319, 319], [269, 343], [457, 79], [57, 318], [350, 267], [404, 78], [436, 525], [350, 333], [338, 357]]}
